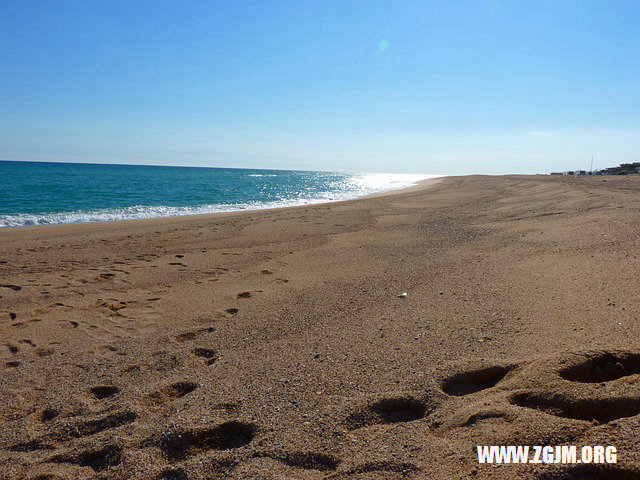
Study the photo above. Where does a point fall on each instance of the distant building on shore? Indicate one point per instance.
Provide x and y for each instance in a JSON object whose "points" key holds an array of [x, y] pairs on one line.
{"points": [[622, 169]]}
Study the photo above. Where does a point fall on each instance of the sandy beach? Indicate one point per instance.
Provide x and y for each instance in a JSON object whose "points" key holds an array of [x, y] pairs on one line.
{"points": [[274, 345]]}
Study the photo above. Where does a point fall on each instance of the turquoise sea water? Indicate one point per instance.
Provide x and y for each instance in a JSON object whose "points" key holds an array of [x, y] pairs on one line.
{"points": [[38, 193]]}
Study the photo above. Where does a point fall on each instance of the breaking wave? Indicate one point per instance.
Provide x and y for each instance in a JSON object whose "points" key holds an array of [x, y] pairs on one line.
{"points": [[350, 187]]}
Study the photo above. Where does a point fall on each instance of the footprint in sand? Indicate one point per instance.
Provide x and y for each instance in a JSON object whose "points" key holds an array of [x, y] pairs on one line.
{"points": [[44, 351], [165, 361], [588, 409], [101, 392], [30, 446], [98, 459], [181, 444], [229, 312], [210, 355], [466, 383], [86, 428], [192, 335], [180, 389], [389, 410], [48, 414], [172, 391], [602, 367]]}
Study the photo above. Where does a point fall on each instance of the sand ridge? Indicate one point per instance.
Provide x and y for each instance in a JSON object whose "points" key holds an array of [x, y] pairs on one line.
{"points": [[272, 344]]}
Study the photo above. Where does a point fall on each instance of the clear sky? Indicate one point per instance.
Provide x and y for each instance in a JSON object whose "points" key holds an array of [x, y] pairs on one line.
{"points": [[436, 87]]}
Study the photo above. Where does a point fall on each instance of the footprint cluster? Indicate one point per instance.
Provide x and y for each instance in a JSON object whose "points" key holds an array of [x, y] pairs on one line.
{"points": [[588, 388], [580, 387], [580, 395], [564, 387]]}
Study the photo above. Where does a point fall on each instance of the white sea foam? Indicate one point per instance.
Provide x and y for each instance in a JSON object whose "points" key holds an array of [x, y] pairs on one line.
{"points": [[352, 187]]}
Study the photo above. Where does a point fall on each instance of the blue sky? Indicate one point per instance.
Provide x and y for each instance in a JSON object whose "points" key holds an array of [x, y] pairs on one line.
{"points": [[453, 87]]}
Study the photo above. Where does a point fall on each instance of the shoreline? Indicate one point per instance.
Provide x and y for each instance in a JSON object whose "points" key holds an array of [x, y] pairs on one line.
{"points": [[125, 222], [274, 343]]}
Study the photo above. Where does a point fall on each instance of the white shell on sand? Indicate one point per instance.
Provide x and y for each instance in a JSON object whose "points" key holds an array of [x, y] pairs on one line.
{"points": [[402, 295]]}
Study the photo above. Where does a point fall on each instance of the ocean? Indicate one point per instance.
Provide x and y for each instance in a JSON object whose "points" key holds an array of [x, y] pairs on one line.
{"points": [[46, 193]]}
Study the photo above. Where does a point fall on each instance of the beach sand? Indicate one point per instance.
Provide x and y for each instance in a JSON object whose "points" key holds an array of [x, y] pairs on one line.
{"points": [[273, 344]]}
